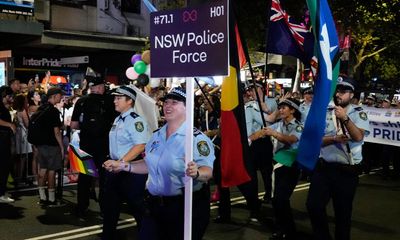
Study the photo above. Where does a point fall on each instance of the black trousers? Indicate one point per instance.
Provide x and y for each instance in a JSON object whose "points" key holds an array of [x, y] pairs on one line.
{"points": [[261, 155], [336, 182], [5, 159], [120, 187], [286, 179], [165, 217], [224, 203], [85, 184]]}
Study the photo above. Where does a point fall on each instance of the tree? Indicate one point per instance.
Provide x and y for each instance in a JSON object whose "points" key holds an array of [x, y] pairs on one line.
{"points": [[373, 25]]}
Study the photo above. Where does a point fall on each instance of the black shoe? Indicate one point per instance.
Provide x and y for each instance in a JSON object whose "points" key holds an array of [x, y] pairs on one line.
{"points": [[81, 214], [254, 217], [52, 204], [221, 219], [42, 202], [267, 199], [280, 236]]}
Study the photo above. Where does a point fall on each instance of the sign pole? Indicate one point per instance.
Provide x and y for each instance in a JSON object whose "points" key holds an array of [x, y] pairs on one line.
{"points": [[189, 157]]}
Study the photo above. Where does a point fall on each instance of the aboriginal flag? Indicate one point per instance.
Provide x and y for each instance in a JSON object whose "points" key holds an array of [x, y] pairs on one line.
{"points": [[234, 145]]}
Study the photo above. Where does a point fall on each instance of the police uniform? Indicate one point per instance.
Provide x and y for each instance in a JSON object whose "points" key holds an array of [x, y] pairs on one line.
{"points": [[271, 104], [128, 130], [260, 150], [165, 160], [304, 109], [285, 179], [336, 174], [95, 114]]}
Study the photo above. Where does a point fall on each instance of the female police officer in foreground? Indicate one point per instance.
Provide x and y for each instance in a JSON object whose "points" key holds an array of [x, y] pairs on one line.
{"points": [[128, 137], [286, 133], [165, 163]]}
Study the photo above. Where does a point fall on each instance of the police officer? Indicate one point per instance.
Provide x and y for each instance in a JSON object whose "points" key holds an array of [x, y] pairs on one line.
{"points": [[261, 149], [286, 134], [308, 94], [127, 137], [93, 115], [336, 174], [164, 162]]}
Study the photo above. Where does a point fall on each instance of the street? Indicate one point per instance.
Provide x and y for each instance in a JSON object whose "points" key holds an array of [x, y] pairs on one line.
{"points": [[375, 216]]}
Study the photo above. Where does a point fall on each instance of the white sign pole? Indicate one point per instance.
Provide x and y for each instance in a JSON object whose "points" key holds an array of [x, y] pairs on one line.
{"points": [[188, 158]]}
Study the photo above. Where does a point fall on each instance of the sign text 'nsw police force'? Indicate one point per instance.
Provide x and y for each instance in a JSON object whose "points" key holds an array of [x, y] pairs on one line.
{"points": [[189, 39]]}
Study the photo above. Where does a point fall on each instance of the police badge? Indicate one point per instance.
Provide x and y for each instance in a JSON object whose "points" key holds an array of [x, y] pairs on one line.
{"points": [[139, 126], [203, 148], [363, 116]]}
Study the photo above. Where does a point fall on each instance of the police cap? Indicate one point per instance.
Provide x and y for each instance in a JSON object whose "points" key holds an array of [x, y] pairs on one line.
{"points": [[291, 103], [309, 90], [125, 91], [345, 83], [177, 93]]}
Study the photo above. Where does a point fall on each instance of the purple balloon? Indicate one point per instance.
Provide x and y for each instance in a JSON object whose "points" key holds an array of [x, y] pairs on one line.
{"points": [[135, 58]]}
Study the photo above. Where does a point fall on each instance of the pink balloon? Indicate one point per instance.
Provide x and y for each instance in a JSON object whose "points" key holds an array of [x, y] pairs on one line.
{"points": [[131, 73], [135, 58]]}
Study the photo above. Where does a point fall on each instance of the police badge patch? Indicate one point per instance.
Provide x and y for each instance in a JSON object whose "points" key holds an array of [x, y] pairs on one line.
{"points": [[299, 128], [203, 148], [363, 116], [139, 126]]}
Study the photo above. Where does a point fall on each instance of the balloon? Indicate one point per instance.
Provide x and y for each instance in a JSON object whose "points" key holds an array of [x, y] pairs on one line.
{"points": [[146, 56], [130, 73], [135, 58], [140, 67], [142, 79], [148, 70]]}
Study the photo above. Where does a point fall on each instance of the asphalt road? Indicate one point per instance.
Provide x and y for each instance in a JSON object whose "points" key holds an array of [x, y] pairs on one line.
{"points": [[376, 215]]}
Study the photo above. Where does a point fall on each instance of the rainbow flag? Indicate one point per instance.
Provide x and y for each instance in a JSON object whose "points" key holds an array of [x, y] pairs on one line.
{"points": [[82, 162]]}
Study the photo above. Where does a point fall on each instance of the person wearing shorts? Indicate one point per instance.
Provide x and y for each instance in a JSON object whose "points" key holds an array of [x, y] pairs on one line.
{"points": [[50, 149]]}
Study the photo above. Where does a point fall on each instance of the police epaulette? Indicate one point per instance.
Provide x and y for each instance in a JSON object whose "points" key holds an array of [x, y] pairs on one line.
{"points": [[196, 131], [358, 108], [134, 115]]}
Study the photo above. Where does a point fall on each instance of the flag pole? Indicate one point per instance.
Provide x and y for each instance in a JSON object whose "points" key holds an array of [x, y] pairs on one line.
{"points": [[246, 53], [266, 39], [204, 94], [188, 157]]}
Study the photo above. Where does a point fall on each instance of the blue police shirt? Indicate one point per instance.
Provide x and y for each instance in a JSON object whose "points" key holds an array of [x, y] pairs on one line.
{"points": [[128, 130], [294, 128], [271, 104], [165, 160], [253, 117], [338, 152]]}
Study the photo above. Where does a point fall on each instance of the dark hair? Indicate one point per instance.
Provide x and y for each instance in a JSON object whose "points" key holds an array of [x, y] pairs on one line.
{"points": [[20, 102], [5, 91], [12, 81], [30, 96]]}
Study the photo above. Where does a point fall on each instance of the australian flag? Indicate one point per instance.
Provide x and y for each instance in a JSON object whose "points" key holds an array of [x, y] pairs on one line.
{"points": [[285, 37]]}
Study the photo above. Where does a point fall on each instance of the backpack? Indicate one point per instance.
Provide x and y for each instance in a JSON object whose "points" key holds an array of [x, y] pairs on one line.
{"points": [[35, 129]]}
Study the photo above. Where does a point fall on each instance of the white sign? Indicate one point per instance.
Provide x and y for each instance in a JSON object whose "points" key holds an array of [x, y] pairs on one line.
{"points": [[384, 126]]}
